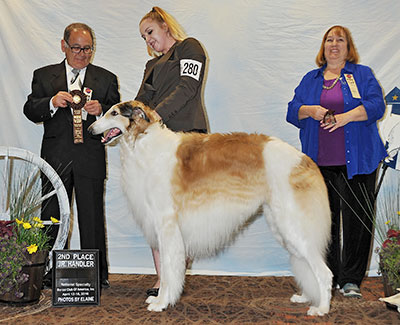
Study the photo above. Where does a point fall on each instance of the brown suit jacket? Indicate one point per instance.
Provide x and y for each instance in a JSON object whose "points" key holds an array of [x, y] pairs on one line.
{"points": [[176, 96]]}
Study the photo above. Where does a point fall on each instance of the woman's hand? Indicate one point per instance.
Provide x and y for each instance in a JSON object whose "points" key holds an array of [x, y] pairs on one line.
{"points": [[333, 122], [356, 114], [317, 112]]}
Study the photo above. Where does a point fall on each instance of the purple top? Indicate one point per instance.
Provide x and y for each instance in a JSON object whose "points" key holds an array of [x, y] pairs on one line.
{"points": [[331, 149]]}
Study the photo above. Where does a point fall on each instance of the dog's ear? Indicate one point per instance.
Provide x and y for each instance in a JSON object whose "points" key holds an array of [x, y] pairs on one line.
{"points": [[138, 112], [132, 112], [126, 110]]}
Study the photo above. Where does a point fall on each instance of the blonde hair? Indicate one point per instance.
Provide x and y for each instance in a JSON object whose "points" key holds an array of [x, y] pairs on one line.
{"points": [[159, 15], [352, 54]]}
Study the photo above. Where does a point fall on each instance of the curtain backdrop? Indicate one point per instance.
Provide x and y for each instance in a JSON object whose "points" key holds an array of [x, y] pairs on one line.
{"points": [[258, 52]]}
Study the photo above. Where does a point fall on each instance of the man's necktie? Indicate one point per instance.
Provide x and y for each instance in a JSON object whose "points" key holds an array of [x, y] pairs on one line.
{"points": [[75, 77]]}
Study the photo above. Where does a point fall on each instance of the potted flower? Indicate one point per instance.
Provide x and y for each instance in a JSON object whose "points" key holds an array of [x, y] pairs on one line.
{"points": [[12, 259], [24, 246], [389, 254], [24, 241], [387, 236]]}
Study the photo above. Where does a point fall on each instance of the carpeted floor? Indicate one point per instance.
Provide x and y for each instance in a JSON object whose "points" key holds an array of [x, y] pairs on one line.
{"points": [[208, 300]]}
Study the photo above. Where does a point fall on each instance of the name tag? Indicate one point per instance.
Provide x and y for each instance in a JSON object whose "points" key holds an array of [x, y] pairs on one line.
{"points": [[191, 68], [88, 92], [352, 85]]}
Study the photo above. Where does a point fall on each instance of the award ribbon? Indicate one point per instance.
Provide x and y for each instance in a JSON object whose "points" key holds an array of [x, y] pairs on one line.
{"points": [[352, 85], [78, 101]]}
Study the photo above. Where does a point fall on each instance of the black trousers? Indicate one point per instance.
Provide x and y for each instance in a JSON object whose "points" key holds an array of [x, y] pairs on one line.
{"points": [[352, 201], [89, 196]]}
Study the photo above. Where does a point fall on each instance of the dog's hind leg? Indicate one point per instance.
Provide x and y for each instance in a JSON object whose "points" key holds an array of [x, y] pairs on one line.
{"points": [[173, 266], [302, 274], [315, 280], [323, 276], [307, 257]]}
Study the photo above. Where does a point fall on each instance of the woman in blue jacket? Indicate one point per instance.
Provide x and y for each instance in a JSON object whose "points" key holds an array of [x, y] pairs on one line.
{"points": [[336, 108]]}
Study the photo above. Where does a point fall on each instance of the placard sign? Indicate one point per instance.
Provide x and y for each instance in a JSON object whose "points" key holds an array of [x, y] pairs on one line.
{"points": [[76, 277]]}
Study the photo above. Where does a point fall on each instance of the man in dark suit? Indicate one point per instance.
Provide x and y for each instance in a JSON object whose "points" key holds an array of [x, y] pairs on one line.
{"points": [[67, 146]]}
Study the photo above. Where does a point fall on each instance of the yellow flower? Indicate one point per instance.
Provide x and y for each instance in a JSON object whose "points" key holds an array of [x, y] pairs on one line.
{"points": [[32, 249], [54, 220], [19, 221], [39, 225], [398, 213], [36, 219], [27, 225], [387, 222]]}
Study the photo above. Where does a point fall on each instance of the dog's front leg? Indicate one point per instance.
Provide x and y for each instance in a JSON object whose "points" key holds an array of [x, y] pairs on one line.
{"points": [[172, 265]]}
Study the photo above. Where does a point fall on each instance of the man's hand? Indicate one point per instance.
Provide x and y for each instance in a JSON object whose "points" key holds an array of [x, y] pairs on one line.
{"points": [[93, 107], [61, 99]]}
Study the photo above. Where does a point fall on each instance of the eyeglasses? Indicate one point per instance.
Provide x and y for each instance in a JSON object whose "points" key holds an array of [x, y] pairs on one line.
{"points": [[78, 49]]}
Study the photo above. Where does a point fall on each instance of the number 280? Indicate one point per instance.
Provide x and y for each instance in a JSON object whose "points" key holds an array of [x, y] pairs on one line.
{"points": [[190, 68]]}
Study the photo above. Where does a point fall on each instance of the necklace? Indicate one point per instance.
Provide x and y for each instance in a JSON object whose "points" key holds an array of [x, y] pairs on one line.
{"points": [[331, 86]]}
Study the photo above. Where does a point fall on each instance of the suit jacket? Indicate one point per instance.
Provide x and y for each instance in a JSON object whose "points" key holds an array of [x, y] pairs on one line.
{"points": [[58, 148], [172, 85]]}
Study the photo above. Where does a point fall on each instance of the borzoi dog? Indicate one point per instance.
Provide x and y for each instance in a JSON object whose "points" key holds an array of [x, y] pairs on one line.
{"points": [[190, 193]]}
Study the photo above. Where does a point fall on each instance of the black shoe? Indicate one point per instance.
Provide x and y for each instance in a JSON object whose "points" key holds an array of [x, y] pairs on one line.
{"points": [[105, 284], [152, 292], [47, 283]]}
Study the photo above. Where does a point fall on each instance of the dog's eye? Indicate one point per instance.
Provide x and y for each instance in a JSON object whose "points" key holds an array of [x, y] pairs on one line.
{"points": [[113, 113]]}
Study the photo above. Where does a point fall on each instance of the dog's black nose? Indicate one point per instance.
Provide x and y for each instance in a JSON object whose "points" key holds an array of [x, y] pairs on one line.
{"points": [[90, 128]]}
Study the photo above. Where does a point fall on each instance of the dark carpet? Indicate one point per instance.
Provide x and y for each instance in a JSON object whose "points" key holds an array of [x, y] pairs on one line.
{"points": [[208, 300]]}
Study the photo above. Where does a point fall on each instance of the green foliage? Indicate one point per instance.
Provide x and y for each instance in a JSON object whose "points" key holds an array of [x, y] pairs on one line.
{"points": [[12, 258], [387, 234], [33, 233], [389, 254], [24, 234]]}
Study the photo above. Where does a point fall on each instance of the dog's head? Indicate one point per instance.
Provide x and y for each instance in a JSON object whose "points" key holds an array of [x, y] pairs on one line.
{"points": [[132, 116]]}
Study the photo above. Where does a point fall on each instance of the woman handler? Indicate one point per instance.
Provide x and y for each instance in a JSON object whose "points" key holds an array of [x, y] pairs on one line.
{"points": [[172, 82]]}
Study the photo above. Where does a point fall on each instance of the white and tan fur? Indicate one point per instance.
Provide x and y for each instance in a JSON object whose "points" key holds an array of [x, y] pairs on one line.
{"points": [[190, 193]]}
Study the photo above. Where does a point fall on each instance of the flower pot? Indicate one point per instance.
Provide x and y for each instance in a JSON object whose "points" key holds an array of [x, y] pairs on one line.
{"points": [[388, 289], [32, 288]]}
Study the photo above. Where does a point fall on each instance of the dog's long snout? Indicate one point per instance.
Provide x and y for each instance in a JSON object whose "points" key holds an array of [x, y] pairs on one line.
{"points": [[91, 128]]}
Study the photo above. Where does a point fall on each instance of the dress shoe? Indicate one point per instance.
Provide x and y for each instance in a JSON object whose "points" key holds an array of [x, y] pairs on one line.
{"points": [[47, 283], [152, 292], [105, 284]]}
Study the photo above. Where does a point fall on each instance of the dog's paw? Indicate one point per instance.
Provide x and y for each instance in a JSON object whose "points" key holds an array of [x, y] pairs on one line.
{"points": [[156, 306], [301, 299], [156, 303], [316, 311], [150, 299]]}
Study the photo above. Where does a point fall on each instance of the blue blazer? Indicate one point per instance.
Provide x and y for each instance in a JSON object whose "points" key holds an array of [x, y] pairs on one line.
{"points": [[363, 145]]}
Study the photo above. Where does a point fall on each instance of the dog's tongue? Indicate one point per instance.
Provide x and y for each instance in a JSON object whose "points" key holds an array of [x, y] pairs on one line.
{"points": [[110, 134]]}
